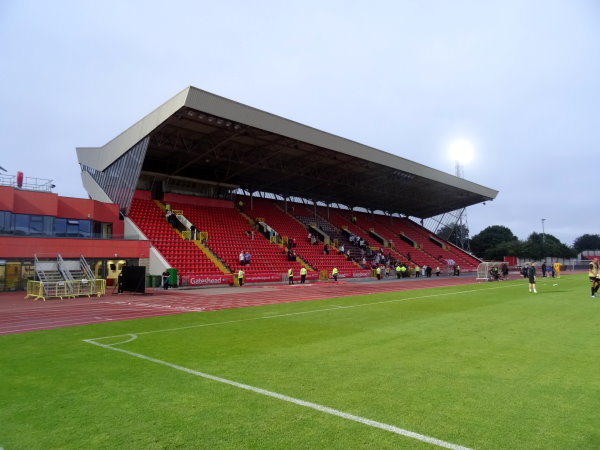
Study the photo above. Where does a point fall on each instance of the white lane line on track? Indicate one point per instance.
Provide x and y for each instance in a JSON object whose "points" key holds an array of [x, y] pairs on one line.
{"points": [[45, 325], [72, 320], [314, 406], [313, 311]]}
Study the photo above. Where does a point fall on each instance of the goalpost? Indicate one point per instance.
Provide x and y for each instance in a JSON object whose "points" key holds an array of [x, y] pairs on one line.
{"points": [[485, 270]]}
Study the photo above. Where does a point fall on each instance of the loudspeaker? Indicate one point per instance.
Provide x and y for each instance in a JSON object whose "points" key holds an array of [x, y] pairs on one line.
{"points": [[133, 279]]}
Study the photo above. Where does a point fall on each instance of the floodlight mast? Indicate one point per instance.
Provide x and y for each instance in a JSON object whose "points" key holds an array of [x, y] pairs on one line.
{"points": [[461, 151], [459, 169], [543, 231], [543, 239]]}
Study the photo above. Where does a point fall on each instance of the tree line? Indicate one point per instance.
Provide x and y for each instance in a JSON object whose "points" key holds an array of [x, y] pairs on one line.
{"points": [[497, 241]]}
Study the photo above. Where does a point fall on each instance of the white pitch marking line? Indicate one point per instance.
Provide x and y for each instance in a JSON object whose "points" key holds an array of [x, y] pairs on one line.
{"points": [[315, 406], [313, 311], [132, 337]]}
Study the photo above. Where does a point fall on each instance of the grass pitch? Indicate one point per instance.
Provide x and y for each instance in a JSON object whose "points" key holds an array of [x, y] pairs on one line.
{"points": [[481, 366]]}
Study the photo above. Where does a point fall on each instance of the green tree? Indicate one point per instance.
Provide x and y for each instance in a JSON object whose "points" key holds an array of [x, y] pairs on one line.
{"points": [[490, 238], [538, 246], [507, 248], [587, 242], [532, 247]]}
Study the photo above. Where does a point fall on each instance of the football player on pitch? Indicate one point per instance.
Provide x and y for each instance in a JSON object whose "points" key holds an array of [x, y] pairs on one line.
{"points": [[531, 276], [594, 276]]}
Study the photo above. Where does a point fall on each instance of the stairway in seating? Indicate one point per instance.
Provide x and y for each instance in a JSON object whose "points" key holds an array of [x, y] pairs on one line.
{"points": [[343, 219], [333, 227], [185, 256], [229, 233], [388, 227], [404, 252], [466, 261], [286, 225]]}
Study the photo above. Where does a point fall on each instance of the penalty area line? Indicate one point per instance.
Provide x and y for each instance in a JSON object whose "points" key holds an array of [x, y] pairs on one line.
{"points": [[296, 401]]}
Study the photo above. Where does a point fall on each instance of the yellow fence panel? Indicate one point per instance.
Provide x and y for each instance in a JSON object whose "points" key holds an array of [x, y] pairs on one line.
{"points": [[69, 289], [35, 289]]}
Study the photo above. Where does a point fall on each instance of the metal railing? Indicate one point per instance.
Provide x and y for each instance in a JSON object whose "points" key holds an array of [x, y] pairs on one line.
{"points": [[87, 270], [57, 281], [65, 289], [64, 271], [28, 183]]}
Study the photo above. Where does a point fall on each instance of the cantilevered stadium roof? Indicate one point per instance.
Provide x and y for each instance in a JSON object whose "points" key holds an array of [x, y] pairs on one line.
{"points": [[200, 137]]}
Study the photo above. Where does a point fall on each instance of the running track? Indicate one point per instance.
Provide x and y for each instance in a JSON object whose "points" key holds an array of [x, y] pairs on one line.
{"points": [[19, 315]]}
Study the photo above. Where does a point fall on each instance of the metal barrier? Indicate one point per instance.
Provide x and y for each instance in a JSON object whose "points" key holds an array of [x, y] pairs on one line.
{"points": [[65, 289], [35, 289]]}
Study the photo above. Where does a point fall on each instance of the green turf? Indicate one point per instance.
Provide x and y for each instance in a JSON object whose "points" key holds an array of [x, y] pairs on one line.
{"points": [[486, 366]]}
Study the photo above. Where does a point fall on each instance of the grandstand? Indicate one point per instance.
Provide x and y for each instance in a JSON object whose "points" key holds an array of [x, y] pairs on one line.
{"points": [[204, 154]]}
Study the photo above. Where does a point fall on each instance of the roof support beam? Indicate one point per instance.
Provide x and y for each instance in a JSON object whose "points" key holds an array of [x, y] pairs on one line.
{"points": [[267, 156], [210, 150]]}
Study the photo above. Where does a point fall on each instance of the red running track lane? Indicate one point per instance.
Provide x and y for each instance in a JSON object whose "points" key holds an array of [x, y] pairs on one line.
{"points": [[19, 315]]}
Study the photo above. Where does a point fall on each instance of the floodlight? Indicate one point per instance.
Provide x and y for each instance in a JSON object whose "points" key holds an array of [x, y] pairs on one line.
{"points": [[461, 150]]}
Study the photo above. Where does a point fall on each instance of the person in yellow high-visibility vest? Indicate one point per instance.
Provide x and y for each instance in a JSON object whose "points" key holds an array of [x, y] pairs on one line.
{"points": [[241, 277], [302, 275], [290, 276], [556, 267], [334, 273], [378, 272], [398, 271]]}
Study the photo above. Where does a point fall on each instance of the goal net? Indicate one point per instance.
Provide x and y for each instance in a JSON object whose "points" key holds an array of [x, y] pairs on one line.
{"points": [[490, 270]]}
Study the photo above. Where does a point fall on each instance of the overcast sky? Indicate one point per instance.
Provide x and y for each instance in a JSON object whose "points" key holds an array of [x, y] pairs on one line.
{"points": [[519, 79]]}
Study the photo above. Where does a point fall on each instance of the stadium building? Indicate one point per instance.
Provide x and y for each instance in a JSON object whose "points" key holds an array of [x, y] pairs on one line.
{"points": [[202, 181]]}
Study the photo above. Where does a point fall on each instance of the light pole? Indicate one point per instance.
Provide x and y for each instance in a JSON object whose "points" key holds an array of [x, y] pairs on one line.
{"points": [[462, 152], [543, 238]]}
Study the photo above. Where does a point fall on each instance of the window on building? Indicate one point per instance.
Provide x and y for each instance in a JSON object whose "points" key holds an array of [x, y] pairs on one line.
{"points": [[72, 228], [60, 227], [21, 224], [5, 219], [36, 226], [48, 225], [85, 228]]}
